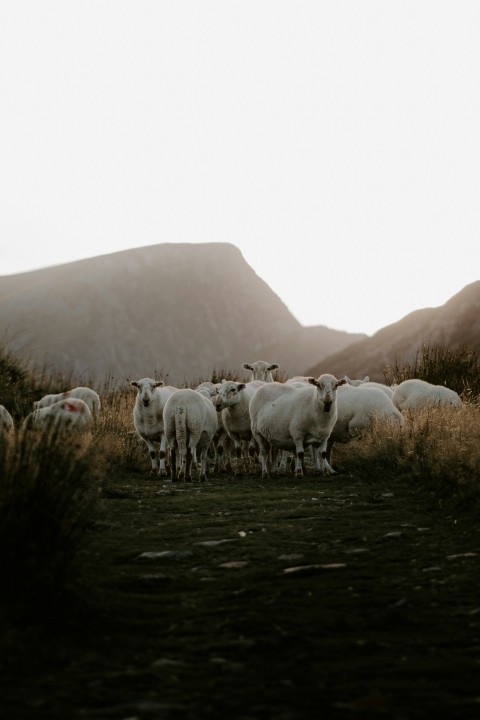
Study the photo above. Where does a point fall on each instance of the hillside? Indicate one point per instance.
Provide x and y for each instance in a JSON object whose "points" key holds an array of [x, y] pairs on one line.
{"points": [[169, 310], [454, 324]]}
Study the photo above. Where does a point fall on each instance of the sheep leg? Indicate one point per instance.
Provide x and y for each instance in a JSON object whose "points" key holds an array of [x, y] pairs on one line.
{"points": [[203, 464], [321, 461], [299, 457], [173, 464], [263, 455], [162, 455], [153, 455], [188, 465]]}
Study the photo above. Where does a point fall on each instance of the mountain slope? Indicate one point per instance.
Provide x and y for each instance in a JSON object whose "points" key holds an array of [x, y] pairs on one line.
{"points": [[174, 310], [454, 324]]}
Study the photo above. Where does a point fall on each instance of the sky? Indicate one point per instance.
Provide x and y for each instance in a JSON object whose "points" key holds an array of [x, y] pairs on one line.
{"points": [[336, 144]]}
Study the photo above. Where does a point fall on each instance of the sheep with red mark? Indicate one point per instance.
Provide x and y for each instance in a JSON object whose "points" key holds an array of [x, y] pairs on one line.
{"points": [[190, 422], [68, 414], [292, 417], [86, 394]]}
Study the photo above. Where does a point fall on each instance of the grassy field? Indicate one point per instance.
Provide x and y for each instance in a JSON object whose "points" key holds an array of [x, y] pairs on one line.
{"points": [[344, 597], [129, 597]]}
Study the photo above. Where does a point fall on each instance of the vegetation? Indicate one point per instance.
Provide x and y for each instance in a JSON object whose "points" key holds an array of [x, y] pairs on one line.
{"points": [[46, 511], [46, 496], [265, 594], [456, 368]]}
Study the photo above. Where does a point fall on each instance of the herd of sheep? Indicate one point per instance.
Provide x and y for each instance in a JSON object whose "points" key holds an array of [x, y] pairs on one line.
{"points": [[241, 421]]}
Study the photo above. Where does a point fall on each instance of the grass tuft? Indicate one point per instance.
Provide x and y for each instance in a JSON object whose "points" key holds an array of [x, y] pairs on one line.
{"points": [[46, 510]]}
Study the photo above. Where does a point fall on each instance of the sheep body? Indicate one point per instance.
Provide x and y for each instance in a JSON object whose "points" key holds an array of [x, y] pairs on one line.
{"points": [[221, 441], [357, 407], [6, 420], [367, 383], [148, 419], [290, 417], [233, 401], [190, 422], [70, 413], [86, 394], [416, 393]]}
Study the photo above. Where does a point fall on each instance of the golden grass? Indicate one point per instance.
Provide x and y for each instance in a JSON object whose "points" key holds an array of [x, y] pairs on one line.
{"points": [[436, 446]]}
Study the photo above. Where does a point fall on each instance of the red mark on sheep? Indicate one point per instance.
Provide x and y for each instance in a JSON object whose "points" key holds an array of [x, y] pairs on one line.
{"points": [[72, 407]]}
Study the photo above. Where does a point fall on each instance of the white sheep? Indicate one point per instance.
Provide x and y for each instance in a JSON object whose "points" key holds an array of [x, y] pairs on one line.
{"points": [[292, 417], [261, 370], [84, 393], [416, 393], [190, 422], [6, 421], [221, 441], [68, 414], [357, 408], [358, 382], [233, 401], [297, 379], [148, 419]]}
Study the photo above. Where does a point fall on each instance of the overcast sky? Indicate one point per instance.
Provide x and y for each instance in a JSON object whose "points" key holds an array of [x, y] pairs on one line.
{"points": [[337, 144]]}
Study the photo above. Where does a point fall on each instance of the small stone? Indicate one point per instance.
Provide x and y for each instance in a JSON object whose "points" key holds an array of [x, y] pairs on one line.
{"points": [[355, 551], [234, 564], [214, 543], [395, 535], [313, 568], [164, 554]]}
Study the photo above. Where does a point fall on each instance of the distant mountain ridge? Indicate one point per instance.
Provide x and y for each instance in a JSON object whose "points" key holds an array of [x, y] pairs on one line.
{"points": [[177, 311], [454, 324]]}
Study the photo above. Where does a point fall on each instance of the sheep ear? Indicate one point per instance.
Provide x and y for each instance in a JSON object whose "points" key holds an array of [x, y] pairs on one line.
{"points": [[312, 381], [274, 366], [240, 386], [134, 383], [342, 381], [159, 383], [223, 381], [247, 366]]}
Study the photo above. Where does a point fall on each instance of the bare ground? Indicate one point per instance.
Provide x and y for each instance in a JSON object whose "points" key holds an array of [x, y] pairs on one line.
{"points": [[282, 599]]}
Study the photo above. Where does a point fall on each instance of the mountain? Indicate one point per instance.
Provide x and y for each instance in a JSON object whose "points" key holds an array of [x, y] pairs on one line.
{"points": [[454, 324], [174, 311]]}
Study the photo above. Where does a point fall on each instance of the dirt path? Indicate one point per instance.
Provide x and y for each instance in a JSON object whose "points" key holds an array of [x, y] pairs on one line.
{"points": [[284, 599]]}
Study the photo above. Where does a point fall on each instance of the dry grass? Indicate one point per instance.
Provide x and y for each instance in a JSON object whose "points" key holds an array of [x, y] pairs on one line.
{"points": [[46, 509], [439, 447]]}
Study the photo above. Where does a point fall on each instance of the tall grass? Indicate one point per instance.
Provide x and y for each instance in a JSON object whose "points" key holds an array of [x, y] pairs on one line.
{"points": [[46, 510], [456, 368], [117, 445], [48, 485], [438, 448]]}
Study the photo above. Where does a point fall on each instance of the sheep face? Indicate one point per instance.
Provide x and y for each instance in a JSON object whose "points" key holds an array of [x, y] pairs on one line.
{"points": [[326, 389], [229, 393], [146, 390], [261, 370]]}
